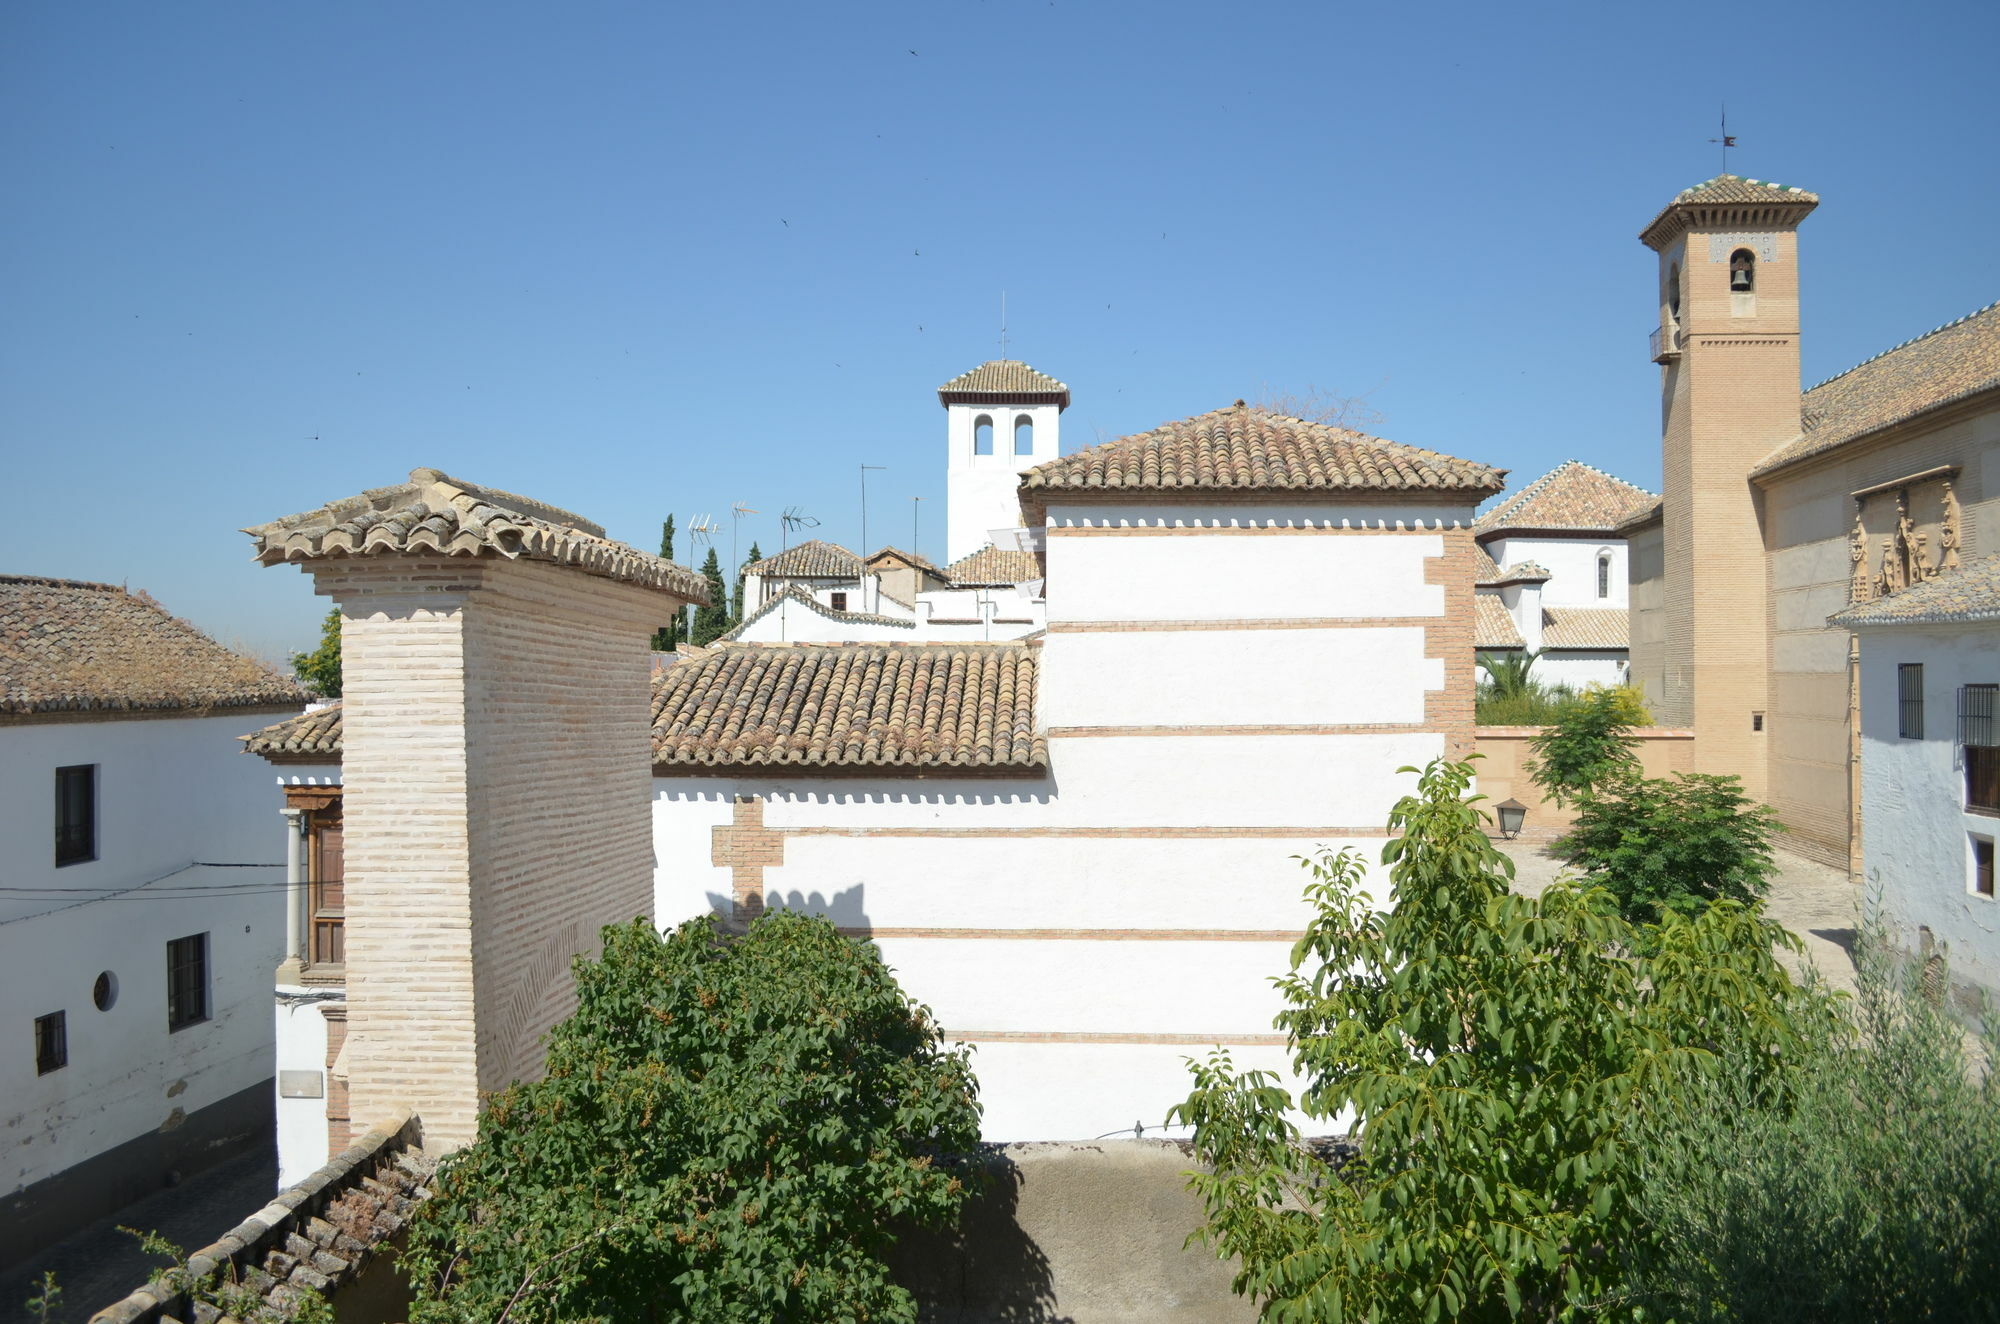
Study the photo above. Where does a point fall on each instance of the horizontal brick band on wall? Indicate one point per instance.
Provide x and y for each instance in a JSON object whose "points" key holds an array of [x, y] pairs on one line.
{"points": [[1266, 623], [1111, 1037], [1286, 729], [1082, 935]]}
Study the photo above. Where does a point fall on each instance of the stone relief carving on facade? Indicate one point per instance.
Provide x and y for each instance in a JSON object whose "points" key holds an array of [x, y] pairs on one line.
{"points": [[1948, 531], [1891, 578], [1912, 569], [1906, 557], [1861, 588]]}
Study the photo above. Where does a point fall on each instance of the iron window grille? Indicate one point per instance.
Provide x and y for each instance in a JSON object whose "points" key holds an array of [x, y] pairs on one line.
{"points": [[1979, 734], [1910, 701], [76, 814], [1982, 865], [51, 1042], [187, 981]]}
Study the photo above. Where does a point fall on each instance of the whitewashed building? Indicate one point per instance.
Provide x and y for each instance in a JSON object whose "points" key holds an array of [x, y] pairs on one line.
{"points": [[1078, 848], [1930, 765], [1553, 575], [142, 907]]}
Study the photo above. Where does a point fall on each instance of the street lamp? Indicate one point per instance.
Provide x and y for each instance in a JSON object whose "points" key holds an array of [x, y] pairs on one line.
{"points": [[1512, 814]]}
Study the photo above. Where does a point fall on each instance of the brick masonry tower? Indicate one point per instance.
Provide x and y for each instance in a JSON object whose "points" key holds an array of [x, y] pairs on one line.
{"points": [[1728, 346], [498, 768]]}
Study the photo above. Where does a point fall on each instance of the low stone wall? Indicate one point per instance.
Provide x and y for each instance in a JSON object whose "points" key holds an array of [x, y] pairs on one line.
{"points": [[1090, 1232], [1504, 749], [324, 1235]]}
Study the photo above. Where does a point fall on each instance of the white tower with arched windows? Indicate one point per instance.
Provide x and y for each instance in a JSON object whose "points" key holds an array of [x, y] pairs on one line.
{"points": [[1001, 419]]}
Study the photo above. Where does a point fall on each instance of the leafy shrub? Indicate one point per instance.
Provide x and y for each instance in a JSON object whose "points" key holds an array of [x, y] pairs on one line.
{"points": [[1492, 1051], [320, 669], [728, 1128], [1867, 1190], [1672, 846], [1587, 744]]}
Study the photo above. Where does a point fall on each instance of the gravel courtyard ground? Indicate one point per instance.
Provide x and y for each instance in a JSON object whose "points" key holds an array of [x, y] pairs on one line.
{"points": [[1812, 900]]}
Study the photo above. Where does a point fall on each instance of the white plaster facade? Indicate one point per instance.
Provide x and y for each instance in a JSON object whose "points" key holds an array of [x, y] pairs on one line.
{"points": [[187, 843], [1918, 838]]}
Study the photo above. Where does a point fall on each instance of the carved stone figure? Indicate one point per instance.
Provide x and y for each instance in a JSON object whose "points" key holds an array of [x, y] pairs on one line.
{"points": [[1860, 587], [1892, 568], [1948, 531], [1924, 569], [1912, 569]]}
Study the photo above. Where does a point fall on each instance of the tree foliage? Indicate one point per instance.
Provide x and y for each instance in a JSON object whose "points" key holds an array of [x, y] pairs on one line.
{"points": [[711, 622], [1675, 845], [728, 1128], [670, 636], [1869, 1191], [1589, 743], [320, 669], [1491, 1051], [736, 600]]}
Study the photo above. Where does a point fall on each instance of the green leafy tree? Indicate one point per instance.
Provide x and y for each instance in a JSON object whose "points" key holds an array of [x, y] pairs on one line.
{"points": [[1673, 845], [320, 669], [1869, 1190], [1589, 743], [711, 622], [1491, 1051], [729, 1128], [736, 601], [666, 640]]}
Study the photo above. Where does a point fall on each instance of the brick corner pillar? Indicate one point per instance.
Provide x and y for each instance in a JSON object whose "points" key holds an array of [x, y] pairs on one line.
{"points": [[497, 760]]}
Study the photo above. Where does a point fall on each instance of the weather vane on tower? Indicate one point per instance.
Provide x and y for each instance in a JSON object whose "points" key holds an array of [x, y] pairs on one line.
{"points": [[1727, 140]]}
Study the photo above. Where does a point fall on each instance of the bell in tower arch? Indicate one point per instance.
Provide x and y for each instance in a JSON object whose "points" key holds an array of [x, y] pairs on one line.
{"points": [[1742, 271]]}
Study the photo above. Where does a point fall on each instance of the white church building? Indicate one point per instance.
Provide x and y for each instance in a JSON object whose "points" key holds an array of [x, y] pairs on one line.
{"points": [[1076, 847]]}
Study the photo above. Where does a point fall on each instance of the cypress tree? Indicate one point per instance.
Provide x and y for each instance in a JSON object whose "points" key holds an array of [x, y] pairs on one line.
{"points": [[666, 639], [712, 621], [736, 603]]}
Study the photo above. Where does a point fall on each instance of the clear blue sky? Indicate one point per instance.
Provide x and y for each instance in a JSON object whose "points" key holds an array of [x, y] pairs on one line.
{"points": [[641, 258]]}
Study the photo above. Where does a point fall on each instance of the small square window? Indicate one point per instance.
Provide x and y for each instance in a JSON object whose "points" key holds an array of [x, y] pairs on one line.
{"points": [[1910, 701], [76, 814], [51, 1042], [1756, 721], [187, 981], [839, 601], [1982, 866]]}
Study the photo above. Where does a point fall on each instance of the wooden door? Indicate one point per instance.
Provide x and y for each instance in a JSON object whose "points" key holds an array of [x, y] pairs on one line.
{"points": [[325, 895]]}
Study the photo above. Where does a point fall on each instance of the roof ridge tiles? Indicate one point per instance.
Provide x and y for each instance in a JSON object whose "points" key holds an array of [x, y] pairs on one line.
{"points": [[1904, 344]]}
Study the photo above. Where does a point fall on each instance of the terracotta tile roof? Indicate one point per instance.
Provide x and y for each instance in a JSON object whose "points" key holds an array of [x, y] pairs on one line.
{"points": [[1640, 517], [943, 708], [809, 560], [1492, 626], [910, 558], [1585, 627], [1243, 449], [1730, 194], [312, 737], [990, 567], [435, 512], [937, 709], [1002, 379], [67, 645], [1957, 360], [1488, 574], [1571, 496], [1956, 597], [314, 1238], [793, 593]]}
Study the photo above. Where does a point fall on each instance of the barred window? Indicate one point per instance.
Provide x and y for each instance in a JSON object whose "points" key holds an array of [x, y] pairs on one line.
{"points": [[1910, 700], [1982, 866], [1976, 711], [51, 1042], [187, 981]]}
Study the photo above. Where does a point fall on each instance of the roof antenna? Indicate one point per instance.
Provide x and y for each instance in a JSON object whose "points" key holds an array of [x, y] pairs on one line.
{"points": [[795, 518], [1003, 324], [1728, 140]]}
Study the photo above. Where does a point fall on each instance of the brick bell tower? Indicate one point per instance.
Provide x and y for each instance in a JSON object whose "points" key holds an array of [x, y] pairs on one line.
{"points": [[1728, 350]]}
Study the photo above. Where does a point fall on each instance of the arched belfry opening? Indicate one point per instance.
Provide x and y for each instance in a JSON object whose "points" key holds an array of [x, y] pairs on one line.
{"points": [[1024, 435], [1742, 272], [984, 408]]}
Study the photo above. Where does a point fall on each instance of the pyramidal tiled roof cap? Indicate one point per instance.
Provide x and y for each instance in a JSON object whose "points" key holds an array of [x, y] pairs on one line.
{"points": [[1573, 496], [1940, 367], [992, 566], [435, 512], [999, 380], [68, 645], [1737, 198], [1244, 449], [812, 559]]}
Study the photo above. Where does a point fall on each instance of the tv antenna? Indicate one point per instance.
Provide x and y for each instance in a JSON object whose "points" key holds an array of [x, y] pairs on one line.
{"points": [[864, 505], [1003, 324], [793, 520], [736, 514], [916, 514], [1727, 140], [702, 531]]}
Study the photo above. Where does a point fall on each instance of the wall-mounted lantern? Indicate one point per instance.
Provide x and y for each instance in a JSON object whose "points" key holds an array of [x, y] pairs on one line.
{"points": [[1512, 815]]}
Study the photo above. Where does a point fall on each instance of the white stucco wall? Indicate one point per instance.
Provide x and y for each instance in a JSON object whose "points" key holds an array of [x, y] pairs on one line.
{"points": [[1580, 668], [1916, 833], [301, 1047], [792, 621], [1572, 567], [171, 793]]}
